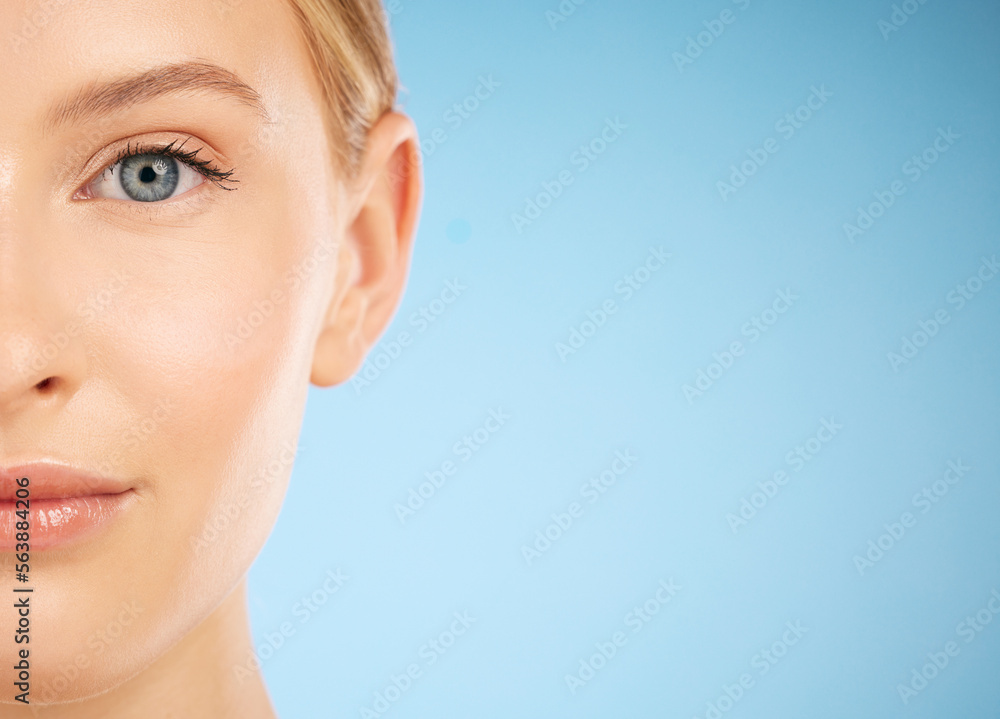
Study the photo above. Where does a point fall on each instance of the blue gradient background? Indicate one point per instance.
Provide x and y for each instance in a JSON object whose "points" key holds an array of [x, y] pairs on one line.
{"points": [[364, 447]]}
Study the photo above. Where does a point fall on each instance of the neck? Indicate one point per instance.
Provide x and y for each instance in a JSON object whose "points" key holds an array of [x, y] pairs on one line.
{"points": [[194, 679]]}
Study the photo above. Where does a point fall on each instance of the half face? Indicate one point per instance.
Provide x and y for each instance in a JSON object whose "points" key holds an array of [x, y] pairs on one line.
{"points": [[168, 232]]}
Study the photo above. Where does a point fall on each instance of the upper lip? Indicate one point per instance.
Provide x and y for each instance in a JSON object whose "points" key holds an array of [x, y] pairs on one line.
{"points": [[49, 480]]}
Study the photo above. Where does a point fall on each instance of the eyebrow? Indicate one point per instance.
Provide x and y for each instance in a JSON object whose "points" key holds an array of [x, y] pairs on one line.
{"points": [[103, 99]]}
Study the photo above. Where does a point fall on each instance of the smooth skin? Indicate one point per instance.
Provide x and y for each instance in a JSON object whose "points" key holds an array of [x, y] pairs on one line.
{"points": [[136, 339]]}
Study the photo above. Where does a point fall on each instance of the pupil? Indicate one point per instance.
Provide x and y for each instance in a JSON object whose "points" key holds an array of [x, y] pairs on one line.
{"points": [[147, 174]]}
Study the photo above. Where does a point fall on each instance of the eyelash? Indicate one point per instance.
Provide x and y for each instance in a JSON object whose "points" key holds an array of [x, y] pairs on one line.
{"points": [[212, 172]]}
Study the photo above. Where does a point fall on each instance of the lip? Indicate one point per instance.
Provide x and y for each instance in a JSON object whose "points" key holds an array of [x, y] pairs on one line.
{"points": [[65, 504]]}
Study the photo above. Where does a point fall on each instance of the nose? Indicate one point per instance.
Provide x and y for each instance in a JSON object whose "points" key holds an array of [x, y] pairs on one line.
{"points": [[42, 360]]}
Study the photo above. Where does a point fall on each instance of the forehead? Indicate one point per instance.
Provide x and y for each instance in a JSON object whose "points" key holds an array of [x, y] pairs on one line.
{"points": [[52, 49]]}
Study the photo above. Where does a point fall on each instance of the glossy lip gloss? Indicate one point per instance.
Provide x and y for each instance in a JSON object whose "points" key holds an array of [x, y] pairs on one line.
{"points": [[65, 504]]}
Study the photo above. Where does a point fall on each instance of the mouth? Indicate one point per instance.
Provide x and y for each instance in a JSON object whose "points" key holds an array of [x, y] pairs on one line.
{"points": [[60, 505]]}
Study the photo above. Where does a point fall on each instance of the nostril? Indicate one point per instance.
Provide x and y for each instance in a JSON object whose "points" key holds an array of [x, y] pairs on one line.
{"points": [[45, 385]]}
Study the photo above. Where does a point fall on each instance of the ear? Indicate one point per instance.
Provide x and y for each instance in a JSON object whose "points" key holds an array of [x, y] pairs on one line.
{"points": [[383, 207]]}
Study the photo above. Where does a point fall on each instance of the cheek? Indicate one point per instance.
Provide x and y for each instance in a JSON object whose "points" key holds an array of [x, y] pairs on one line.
{"points": [[224, 346], [210, 347]]}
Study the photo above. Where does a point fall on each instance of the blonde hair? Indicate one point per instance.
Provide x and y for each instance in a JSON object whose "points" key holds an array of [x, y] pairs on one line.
{"points": [[352, 54]]}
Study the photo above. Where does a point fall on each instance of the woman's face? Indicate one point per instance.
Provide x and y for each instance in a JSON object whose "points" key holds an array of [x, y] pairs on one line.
{"points": [[159, 316]]}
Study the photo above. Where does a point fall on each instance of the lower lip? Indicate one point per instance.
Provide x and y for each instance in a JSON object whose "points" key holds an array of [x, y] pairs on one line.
{"points": [[57, 522]]}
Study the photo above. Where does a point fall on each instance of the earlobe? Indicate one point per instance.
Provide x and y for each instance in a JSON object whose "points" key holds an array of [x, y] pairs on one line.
{"points": [[374, 257], [338, 350]]}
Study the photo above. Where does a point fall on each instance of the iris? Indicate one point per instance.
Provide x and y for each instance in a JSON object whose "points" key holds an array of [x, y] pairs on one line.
{"points": [[149, 178]]}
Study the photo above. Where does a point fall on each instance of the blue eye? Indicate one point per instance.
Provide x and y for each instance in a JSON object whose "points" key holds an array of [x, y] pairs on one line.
{"points": [[149, 178], [155, 175]]}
